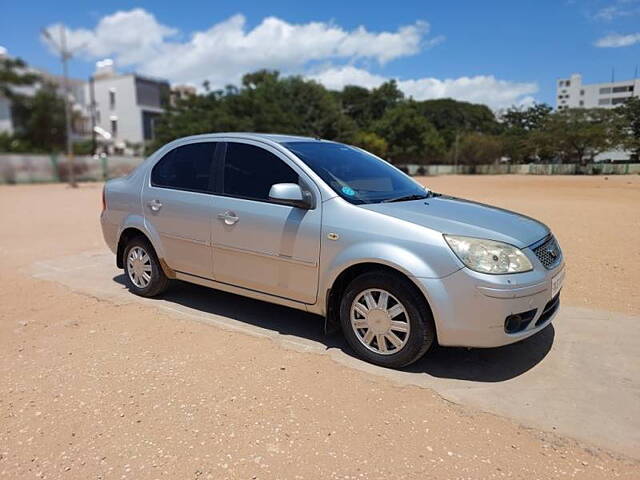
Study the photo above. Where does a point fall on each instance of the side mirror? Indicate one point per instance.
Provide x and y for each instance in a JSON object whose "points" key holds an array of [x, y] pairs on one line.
{"points": [[289, 194]]}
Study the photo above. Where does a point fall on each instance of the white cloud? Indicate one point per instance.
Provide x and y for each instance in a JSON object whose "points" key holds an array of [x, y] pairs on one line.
{"points": [[616, 40], [132, 37], [484, 89], [609, 13], [335, 78], [621, 8], [479, 89], [229, 49], [435, 41]]}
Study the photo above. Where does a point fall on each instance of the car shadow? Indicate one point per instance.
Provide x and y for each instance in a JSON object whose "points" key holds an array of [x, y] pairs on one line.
{"points": [[478, 364]]}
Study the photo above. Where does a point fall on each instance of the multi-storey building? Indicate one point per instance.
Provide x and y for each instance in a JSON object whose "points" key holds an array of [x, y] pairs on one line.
{"points": [[126, 105], [572, 93]]}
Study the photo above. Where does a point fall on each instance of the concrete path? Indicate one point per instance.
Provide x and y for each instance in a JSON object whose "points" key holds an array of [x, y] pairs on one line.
{"points": [[579, 377]]}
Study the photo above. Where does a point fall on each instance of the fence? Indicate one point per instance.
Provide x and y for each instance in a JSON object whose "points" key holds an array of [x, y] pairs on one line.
{"points": [[21, 168], [25, 168], [527, 169]]}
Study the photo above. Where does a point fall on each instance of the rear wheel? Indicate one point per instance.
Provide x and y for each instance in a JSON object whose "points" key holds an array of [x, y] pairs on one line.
{"points": [[386, 320], [143, 273]]}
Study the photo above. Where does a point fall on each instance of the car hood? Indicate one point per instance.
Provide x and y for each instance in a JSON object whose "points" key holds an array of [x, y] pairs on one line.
{"points": [[457, 216]]}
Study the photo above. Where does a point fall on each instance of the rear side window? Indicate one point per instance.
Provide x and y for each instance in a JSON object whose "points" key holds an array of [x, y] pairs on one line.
{"points": [[250, 171], [189, 167]]}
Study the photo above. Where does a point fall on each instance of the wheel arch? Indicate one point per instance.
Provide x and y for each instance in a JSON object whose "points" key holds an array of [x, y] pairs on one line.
{"points": [[343, 278], [126, 235], [131, 232]]}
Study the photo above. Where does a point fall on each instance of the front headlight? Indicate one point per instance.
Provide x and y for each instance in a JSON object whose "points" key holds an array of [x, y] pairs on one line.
{"points": [[488, 256]]}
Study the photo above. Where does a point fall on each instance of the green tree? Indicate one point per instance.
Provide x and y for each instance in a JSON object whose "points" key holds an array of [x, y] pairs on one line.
{"points": [[521, 137], [411, 138], [629, 125], [314, 111], [356, 103], [40, 121], [371, 142], [580, 134], [264, 103], [13, 73], [384, 98], [193, 115], [453, 118], [479, 149], [526, 119]]}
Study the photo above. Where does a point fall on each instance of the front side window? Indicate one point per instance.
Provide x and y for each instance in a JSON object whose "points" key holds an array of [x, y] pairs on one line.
{"points": [[356, 175], [188, 167], [250, 171]]}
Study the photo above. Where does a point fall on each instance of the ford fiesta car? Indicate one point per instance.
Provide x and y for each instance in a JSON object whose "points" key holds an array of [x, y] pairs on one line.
{"points": [[332, 229]]}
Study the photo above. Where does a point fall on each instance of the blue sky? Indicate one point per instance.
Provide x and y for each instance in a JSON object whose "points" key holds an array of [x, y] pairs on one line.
{"points": [[495, 52]]}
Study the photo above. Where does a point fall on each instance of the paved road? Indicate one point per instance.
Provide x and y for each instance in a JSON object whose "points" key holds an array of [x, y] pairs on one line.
{"points": [[580, 377]]}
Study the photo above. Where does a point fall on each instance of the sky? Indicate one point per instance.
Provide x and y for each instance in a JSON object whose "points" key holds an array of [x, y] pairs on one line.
{"points": [[499, 53]]}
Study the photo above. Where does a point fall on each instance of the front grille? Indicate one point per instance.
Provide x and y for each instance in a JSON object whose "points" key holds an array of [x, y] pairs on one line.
{"points": [[548, 253]]}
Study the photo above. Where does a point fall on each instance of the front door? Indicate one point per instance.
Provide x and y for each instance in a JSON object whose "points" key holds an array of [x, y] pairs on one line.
{"points": [[259, 244], [179, 206]]}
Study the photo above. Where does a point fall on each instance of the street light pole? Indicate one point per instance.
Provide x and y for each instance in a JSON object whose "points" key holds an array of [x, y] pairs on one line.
{"points": [[65, 55]]}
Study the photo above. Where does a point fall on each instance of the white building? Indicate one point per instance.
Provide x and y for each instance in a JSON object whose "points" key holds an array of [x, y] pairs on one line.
{"points": [[126, 105], [6, 119], [572, 93]]}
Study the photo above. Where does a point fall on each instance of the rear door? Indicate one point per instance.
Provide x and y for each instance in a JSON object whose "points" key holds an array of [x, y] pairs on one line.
{"points": [[178, 204], [259, 244]]}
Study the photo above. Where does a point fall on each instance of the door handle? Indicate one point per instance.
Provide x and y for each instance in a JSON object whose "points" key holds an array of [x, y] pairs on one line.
{"points": [[155, 205], [228, 217]]}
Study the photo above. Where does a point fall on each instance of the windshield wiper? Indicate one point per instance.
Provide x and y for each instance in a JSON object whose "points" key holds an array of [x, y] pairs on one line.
{"points": [[415, 196]]}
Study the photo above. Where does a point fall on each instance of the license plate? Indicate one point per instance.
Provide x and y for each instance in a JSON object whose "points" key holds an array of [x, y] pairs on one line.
{"points": [[556, 283]]}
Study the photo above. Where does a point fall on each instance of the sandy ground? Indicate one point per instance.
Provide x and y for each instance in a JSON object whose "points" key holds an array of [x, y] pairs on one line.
{"points": [[596, 219], [92, 389]]}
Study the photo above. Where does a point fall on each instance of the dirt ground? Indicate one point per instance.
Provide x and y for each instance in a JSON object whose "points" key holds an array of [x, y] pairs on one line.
{"points": [[596, 219], [91, 389]]}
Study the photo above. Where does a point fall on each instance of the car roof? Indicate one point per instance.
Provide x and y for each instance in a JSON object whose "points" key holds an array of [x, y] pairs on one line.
{"points": [[274, 137], [283, 138]]}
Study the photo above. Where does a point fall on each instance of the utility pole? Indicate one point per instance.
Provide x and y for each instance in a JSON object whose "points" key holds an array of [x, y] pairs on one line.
{"points": [[65, 55], [92, 109]]}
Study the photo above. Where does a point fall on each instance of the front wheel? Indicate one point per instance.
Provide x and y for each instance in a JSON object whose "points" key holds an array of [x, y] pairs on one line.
{"points": [[143, 272], [386, 320]]}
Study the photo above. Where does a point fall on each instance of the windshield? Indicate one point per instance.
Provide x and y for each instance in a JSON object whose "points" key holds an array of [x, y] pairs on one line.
{"points": [[356, 175]]}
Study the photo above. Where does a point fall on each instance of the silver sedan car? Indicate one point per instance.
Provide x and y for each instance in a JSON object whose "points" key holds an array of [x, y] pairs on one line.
{"points": [[334, 230]]}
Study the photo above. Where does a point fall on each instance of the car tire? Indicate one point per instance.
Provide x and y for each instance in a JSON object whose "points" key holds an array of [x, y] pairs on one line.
{"points": [[394, 331], [142, 270]]}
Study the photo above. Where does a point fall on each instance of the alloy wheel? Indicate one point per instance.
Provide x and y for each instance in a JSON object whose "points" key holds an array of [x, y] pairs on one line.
{"points": [[380, 321], [139, 267]]}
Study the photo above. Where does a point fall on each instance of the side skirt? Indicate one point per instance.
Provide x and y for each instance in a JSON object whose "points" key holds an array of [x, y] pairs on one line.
{"points": [[245, 292]]}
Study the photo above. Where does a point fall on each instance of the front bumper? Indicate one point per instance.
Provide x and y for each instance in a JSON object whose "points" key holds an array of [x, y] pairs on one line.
{"points": [[470, 308]]}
